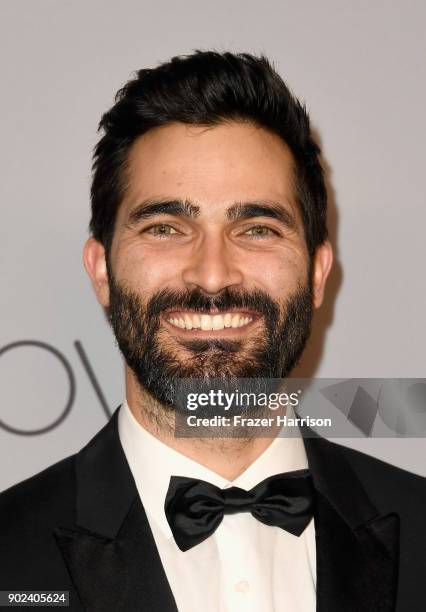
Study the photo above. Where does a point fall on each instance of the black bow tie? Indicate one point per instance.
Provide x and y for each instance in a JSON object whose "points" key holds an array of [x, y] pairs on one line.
{"points": [[195, 508]]}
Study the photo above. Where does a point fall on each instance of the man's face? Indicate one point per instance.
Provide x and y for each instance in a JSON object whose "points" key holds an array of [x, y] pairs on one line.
{"points": [[209, 268]]}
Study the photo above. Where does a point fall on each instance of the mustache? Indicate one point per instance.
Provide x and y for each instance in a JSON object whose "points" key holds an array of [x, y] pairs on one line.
{"points": [[197, 300]]}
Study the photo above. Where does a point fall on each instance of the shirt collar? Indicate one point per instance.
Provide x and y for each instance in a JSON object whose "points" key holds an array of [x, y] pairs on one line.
{"points": [[152, 463]]}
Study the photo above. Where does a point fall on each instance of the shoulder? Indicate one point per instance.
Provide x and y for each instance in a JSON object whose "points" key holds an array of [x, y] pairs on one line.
{"points": [[370, 468], [42, 499], [387, 485], [29, 513]]}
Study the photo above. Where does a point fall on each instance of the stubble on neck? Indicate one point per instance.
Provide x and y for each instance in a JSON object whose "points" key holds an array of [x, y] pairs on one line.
{"points": [[227, 456]]}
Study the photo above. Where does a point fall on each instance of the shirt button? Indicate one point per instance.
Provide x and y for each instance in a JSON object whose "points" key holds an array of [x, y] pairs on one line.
{"points": [[242, 586]]}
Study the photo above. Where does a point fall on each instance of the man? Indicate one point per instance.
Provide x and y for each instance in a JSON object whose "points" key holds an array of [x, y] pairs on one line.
{"points": [[209, 252]]}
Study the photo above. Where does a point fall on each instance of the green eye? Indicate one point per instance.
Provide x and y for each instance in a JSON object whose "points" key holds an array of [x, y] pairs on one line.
{"points": [[260, 231], [161, 229]]}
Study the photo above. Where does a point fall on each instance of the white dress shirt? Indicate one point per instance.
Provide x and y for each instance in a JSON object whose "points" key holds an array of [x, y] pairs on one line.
{"points": [[245, 566]]}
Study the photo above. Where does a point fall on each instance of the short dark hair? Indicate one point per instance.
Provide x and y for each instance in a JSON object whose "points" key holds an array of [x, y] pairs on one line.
{"points": [[206, 88]]}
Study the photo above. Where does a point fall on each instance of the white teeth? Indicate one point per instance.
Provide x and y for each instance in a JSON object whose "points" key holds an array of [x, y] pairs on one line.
{"points": [[206, 322], [209, 322], [218, 322], [235, 322]]}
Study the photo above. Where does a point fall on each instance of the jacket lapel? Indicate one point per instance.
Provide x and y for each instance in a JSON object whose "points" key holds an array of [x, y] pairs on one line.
{"points": [[357, 548], [110, 552]]}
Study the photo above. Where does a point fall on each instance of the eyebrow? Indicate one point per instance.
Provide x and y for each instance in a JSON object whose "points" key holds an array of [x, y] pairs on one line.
{"points": [[273, 210], [149, 208], [186, 208]]}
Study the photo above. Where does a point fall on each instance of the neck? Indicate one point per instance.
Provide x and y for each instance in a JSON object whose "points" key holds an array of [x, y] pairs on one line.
{"points": [[228, 457]]}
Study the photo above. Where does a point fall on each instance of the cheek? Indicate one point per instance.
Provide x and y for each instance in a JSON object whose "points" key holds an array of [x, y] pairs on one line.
{"points": [[278, 273], [148, 270]]}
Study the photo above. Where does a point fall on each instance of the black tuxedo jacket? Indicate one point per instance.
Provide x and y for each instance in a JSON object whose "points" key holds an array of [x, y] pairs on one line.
{"points": [[80, 526]]}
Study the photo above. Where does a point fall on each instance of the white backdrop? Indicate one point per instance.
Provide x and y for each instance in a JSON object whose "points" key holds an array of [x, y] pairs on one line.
{"points": [[359, 65]]}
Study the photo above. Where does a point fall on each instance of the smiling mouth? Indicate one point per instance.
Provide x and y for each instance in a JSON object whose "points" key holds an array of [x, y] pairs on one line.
{"points": [[210, 322]]}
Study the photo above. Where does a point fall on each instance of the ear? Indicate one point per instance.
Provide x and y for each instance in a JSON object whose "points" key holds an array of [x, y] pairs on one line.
{"points": [[323, 260], [95, 264]]}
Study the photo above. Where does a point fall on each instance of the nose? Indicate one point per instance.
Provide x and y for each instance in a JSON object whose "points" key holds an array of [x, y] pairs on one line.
{"points": [[212, 266]]}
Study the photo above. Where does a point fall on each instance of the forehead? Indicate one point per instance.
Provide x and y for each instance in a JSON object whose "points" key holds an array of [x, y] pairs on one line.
{"points": [[213, 166]]}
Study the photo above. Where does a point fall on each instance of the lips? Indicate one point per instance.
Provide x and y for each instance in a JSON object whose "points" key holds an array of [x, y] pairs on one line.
{"points": [[208, 322]]}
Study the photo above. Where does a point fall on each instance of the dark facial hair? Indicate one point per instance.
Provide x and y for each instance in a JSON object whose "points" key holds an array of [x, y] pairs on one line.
{"points": [[150, 352]]}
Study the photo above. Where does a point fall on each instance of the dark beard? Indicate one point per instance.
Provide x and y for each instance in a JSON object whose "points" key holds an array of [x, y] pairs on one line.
{"points": [[271, 352]]}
